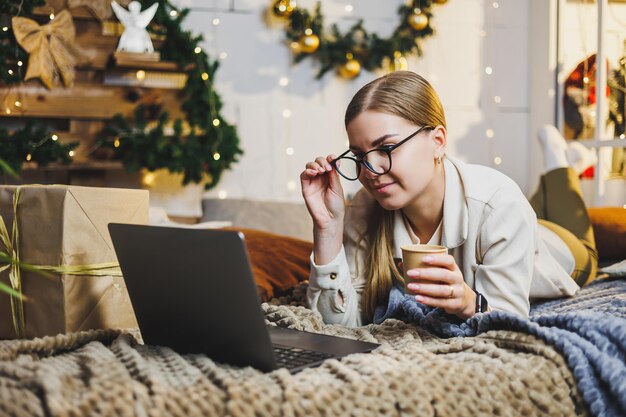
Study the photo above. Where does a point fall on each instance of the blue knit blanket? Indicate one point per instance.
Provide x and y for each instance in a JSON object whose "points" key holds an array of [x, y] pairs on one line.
{"points": [[588, 329]]}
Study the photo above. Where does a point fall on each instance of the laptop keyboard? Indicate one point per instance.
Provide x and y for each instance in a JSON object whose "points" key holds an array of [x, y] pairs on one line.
{"points": [[289, 357]]}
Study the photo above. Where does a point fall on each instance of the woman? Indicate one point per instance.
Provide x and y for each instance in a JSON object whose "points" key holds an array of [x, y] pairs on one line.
{"points": [[413, 193]]}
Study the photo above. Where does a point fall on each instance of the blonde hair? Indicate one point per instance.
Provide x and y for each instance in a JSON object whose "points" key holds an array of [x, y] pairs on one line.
{"points": [[407, 95]]}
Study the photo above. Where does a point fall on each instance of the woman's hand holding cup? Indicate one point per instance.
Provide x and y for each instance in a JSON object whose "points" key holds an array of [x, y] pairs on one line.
{"points": [[435, 279]]}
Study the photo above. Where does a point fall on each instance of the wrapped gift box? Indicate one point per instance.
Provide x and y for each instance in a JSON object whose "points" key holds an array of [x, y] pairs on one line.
{"points": [[67, 225]]}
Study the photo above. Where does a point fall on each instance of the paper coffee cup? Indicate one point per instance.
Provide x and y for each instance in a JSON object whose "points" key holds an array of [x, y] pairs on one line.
{"points": [[412, 258]]}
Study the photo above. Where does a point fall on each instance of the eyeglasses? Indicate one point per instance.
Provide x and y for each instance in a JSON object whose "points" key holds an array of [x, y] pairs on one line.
{"points": [[377, 160]]}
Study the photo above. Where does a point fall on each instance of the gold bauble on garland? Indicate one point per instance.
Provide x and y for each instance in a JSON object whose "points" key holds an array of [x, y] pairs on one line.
{"points": [[418, 20], [284, 8], [351, 68], [309, 43]]}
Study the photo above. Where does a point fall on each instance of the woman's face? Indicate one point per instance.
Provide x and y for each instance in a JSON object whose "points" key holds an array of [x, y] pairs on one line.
{"points": [[413, 163]]}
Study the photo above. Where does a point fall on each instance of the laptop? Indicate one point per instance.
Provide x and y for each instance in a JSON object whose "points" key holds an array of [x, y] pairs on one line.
{"points": [[193, 291]]}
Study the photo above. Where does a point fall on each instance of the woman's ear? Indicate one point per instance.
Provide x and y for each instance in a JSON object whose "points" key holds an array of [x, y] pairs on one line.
{"points": [[440, 139]]}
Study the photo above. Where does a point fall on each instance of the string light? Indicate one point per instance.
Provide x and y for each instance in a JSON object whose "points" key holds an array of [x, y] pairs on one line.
{"points": [[148, 179], [497, 160], [197, 50], [586, 80], [54, 137], [283, 81], [4, 29], [7, 110], [51, 16], [205, 76], [495, 4], [223, 55], [216, 21], [173, 13], [349, 8], [71, 153], [488, 70], [497, 99], [622, 136], [289, 151], [10, 72], [18, 103], [29, 157], [141, 75], [286, 113], [490, 133], [116, 143], [216, 122], [308, 31], [217, 156], [222, 194], [20, 63]]}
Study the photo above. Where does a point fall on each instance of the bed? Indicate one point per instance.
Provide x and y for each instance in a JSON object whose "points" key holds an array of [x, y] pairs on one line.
{"points": [[569, 359]]}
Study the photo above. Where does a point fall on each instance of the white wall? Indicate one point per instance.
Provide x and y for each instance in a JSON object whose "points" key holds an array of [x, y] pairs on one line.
{"points": [[470, 35]]}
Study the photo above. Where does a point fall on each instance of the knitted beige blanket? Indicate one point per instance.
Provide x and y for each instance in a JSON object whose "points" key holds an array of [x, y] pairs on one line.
{"points": [[413, 373]]}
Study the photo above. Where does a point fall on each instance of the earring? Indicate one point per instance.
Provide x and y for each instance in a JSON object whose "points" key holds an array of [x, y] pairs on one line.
{"points": [[438, 159]]}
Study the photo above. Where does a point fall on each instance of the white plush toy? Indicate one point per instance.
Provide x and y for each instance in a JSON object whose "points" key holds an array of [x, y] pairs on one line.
{"points": [[135, 37]]}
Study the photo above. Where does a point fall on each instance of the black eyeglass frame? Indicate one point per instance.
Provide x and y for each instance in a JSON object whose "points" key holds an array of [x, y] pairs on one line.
{"points": [[387, 149]]}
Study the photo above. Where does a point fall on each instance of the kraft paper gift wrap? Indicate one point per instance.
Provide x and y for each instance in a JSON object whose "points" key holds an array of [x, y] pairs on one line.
{"points": [[67, 225]]}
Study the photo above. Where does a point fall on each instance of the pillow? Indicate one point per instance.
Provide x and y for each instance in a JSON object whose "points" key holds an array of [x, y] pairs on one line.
{"points": [[615, 270], [278, 262], [609, 228]]}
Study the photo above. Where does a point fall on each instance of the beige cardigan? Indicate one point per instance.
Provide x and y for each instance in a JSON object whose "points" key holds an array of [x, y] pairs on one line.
{"points": [[488, 226]]}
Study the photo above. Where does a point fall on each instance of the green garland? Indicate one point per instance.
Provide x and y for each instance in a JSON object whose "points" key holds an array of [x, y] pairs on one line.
{"points": [[31, 143], [210, 148], [212, 144], [371, 51]]}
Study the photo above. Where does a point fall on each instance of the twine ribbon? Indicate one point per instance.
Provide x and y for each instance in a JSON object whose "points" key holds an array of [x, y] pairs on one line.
{"points": [[51, 48], [10, 259]]}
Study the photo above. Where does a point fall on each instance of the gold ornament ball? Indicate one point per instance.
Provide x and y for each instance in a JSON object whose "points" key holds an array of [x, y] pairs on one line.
{"points": [[418, 21], [350, 69], [309, 43], [284, 8]]}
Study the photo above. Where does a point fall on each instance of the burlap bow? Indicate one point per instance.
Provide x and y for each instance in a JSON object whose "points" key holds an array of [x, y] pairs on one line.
{"points": [[100, 8], [51, 48]]}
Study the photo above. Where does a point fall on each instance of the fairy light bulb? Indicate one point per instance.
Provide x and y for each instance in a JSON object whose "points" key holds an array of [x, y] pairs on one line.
{"points": [[286, 113], [216, 122], [4, 29], [141, 75], [495, 5], [205, 76], [29, 157], [497, 99], [18, 103], [54, 137], [215, 21], [71, 153], [289, 151], [20, 63], [283, 81], [197, 50], [216, 156], [116, 143], [349, 8], [490, 133], [488, 70], [223, 55], [497, 160], [51, 16], [222, 194], [173, 13], [308, 31], [10, 72]]}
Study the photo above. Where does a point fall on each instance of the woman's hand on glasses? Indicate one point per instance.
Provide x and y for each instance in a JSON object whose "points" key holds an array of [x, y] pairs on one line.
{"points": [[323, 193]]}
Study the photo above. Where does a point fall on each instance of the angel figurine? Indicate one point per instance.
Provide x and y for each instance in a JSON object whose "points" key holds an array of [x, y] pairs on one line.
{"points": [[135, 37]]}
